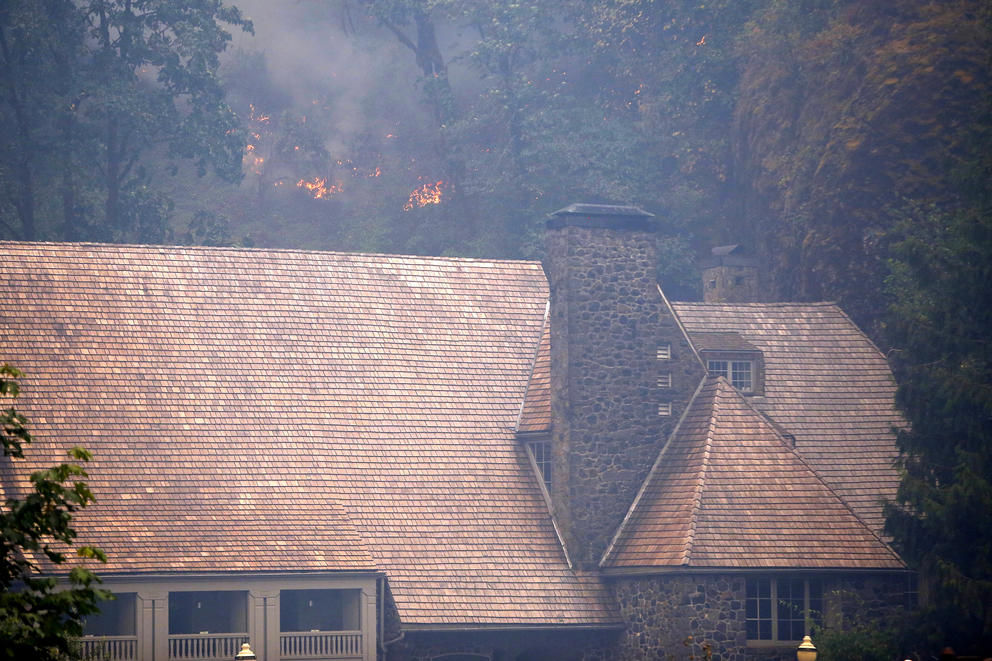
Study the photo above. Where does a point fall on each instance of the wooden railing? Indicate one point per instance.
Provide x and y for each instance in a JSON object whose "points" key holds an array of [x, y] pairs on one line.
{"points": [[320, 645], [109, 648], [206, 645]]}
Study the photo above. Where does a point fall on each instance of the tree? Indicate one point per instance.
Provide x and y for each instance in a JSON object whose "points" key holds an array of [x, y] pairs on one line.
{"points": [[98, 93], [37, 619], [941, 325], [847, 109]]}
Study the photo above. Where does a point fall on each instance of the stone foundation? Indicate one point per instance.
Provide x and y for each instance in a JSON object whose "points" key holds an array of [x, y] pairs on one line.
{"points": [[663, 611]]}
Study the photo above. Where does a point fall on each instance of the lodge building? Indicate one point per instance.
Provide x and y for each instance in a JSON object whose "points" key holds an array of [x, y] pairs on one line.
{"points": [[359, 456]]}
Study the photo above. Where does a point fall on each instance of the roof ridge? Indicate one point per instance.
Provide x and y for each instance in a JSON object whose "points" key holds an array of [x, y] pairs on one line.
{"points": [[650, 476], [681, 327], [533, 364], [775, 304], [791, 448], [697, 496], [165, 247]]}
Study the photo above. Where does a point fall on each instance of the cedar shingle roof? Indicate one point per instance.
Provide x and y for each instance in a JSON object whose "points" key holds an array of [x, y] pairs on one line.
{"points": [[827, 385], [535, 414], [298, 410], [728, 491], [721, 342]]}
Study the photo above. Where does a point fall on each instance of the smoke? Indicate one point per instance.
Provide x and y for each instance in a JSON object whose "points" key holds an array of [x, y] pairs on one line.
{"points": [[329, 54]]}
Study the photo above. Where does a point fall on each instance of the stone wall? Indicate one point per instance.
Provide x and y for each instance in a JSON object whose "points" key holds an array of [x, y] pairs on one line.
{"points": [[607, 323], [731, 284], [661, 613]]}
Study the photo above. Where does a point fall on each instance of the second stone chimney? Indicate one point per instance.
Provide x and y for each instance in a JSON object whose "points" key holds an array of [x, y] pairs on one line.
{"points": [[730, 275], [621, 368]]}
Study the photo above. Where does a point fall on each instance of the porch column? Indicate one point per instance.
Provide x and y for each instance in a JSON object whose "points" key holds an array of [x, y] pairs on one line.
{"points": [[152, 626], [369, 620], [263, 624]]}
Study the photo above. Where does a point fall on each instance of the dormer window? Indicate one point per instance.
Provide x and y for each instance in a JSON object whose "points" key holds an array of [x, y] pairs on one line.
{"points": [[738, 372], [731, 356]]}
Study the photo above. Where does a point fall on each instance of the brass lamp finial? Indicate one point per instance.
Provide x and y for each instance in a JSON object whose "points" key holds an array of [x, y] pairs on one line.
{"points": [[806, 651], [245, 654]]}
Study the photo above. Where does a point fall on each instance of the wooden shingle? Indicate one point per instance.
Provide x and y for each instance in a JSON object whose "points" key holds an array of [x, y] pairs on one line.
{"points": [[260, 410], [729, 491], [827, 385]]}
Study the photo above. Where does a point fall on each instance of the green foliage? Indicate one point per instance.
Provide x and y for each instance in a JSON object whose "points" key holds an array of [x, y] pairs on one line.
{"points": [[37, 619], [95, 96], [865, 642], [846, 110], [941, 322]]}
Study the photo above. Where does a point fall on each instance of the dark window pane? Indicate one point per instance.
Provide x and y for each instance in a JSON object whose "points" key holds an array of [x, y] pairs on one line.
{"points": [[741, 375]]}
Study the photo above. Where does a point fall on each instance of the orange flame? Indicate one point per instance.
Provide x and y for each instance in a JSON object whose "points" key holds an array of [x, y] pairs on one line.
{"points": [[252, 160], [260, 118], [426, 194], [318, 188]]}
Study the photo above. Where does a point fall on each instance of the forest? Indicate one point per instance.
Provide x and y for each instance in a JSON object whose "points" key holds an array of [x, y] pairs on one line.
{"points": [[847, 144]]}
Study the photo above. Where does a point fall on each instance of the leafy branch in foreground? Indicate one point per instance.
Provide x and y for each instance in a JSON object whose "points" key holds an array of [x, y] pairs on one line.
{"points": [[37, 618]]}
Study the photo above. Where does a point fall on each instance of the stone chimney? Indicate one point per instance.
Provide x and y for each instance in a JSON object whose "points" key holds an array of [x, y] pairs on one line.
{"points": [[621, 368], [730, 275]]}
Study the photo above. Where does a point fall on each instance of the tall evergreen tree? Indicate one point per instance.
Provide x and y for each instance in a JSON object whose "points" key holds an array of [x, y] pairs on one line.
{"points": [[941, 326]]}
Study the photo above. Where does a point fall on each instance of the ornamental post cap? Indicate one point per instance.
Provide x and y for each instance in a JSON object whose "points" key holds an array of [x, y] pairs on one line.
{"points": [[245, 654], [806, 651]]}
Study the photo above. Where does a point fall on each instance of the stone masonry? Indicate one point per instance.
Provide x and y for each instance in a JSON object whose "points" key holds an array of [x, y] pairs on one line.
{"points": [[610, 391], [663, 611]]}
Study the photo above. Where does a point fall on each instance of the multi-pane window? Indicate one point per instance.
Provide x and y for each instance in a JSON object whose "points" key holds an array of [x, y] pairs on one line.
{"points": [[541, 451], [782, 609], [738, 372]]}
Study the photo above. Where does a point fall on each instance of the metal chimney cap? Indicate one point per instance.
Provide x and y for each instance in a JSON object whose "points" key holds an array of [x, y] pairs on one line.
{"points": [[603, 216], [602, 210]]}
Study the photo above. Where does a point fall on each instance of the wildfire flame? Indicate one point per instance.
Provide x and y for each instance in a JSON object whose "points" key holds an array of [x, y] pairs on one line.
{"points": [[259, 117], [252, 160], [426, 194], [318, 188]]}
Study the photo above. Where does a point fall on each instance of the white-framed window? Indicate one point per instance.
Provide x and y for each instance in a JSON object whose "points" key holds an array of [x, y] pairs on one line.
{"points": [[740, 373], [665, 380], [665, 408], [664, 351], [540, 452], [782, 609]]}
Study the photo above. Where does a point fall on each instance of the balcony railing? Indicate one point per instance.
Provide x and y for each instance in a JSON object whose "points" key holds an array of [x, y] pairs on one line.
{"points": [[109, 648], [206, 646], [320, 645]]}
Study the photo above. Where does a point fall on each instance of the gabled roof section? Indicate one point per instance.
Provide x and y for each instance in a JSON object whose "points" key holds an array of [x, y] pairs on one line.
{"points": [[827, 385], [300, 391], [729, 492], [535, 413], [721, 342]]}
